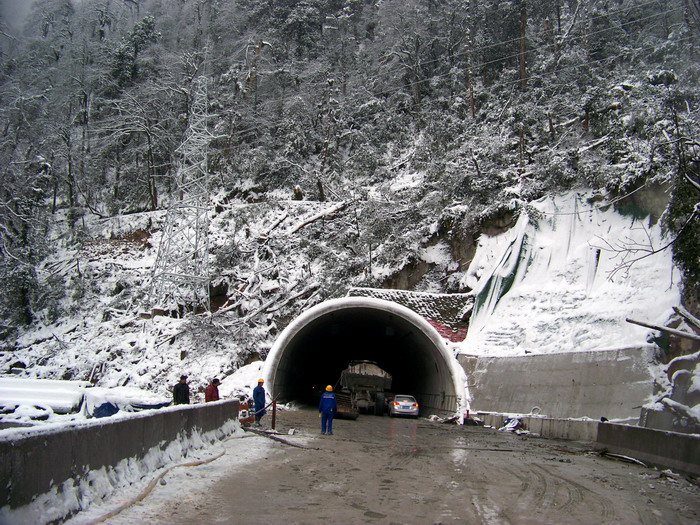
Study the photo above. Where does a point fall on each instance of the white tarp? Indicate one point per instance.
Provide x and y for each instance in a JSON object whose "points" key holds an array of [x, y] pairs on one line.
{"points": [[61, 396]]}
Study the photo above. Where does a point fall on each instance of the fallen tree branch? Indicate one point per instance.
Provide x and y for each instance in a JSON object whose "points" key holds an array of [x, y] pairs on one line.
{"points": [[620, 457], [595, 144], [685, 314], [627, 250], [672, 331], [264, 307], [325, 213], [310, 288], [678, 408], [279, 221]]}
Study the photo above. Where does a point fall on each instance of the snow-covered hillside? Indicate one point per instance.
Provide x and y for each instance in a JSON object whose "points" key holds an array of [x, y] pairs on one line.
{"points": [[551, 283], [566, 277]]}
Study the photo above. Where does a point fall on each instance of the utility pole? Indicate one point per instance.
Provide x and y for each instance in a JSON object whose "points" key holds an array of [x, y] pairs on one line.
{"points": [[181, 273]]}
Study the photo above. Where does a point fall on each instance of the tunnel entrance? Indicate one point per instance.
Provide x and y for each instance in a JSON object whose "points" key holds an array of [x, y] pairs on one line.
{"points": [[317, 346]]}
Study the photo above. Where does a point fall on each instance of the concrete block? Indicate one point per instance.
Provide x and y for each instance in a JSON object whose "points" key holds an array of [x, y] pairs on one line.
{"points": [[657, 448]]}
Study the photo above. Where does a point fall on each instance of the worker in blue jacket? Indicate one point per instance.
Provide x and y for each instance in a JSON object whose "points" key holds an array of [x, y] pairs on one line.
{"points": [[327, 409], [259, 400]]}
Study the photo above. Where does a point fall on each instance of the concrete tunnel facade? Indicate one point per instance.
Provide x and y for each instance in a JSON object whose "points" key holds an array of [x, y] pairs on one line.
{"points": [[313, 350]]}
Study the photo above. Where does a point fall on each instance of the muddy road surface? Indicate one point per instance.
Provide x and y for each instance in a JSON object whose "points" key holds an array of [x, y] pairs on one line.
{"points": [[389, 471]]}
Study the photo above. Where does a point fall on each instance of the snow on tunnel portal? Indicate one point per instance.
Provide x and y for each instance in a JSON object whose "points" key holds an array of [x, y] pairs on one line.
{"points": [[313, 350]]}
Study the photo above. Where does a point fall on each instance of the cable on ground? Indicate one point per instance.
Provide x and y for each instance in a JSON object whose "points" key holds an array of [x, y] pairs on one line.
{"points": [[149, 488]]}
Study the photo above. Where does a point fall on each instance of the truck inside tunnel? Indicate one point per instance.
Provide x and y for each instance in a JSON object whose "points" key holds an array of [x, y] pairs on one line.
{"points": [[313, 351]]}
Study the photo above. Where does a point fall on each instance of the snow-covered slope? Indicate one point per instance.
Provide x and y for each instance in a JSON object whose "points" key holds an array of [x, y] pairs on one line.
{"points": [[565, 278]]}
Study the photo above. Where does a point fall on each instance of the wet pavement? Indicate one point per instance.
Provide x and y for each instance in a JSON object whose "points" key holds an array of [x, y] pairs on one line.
{"points": [[387, 470]]}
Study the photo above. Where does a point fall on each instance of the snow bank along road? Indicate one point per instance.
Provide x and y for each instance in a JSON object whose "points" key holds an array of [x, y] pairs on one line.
{"points": [[382, 470]]}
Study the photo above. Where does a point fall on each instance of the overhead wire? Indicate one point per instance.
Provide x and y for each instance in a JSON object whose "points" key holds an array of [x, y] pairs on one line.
{"points": [[567, 84], [502, 43], [605, 16], [515, 55], [507, 83]]}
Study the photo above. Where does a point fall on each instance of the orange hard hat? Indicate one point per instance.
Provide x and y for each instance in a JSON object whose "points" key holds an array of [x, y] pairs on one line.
{"points": [[261, 380], [329, 388]]}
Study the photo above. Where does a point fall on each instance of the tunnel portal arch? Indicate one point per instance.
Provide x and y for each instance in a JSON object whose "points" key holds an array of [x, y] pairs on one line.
{"points": [[312, 351]]}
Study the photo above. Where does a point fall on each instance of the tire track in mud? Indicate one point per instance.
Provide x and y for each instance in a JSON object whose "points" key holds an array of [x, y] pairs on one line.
{"points": [[574, 493], [555, 495], [578, 494], [524, 482]]}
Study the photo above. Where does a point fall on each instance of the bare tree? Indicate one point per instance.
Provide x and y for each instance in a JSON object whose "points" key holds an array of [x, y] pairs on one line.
{"points": [[143, 118]]}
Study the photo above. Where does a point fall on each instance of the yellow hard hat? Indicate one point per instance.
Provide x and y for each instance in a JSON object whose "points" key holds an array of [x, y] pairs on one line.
{"points": [[261, 380], [329, 388]]}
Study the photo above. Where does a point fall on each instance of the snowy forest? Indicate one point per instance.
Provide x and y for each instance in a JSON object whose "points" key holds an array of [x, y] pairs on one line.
{"points": [[374, 129]]}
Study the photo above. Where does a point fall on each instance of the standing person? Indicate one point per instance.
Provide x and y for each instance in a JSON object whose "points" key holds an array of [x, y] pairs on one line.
{"points": [[212, 391], [181, 392], [327, 407], [259, 401]]}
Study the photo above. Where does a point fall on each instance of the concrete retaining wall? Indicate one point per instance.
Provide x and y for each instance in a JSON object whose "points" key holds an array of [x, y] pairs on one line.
{"points": [[35, 463], [656, 448], [659, 448], [575, 430], [613, 384]]}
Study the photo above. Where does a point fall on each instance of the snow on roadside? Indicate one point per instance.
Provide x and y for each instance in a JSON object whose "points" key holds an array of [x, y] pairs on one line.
{"points": [[97, 489], [181, 484], [242, 381], [101, 491]]}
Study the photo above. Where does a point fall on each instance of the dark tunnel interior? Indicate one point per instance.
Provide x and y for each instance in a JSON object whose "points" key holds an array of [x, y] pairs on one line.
{"points": [[320, 350]]}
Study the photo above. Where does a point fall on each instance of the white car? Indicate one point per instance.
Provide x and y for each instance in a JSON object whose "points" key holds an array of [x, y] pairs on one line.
{"points": [[403, 406]]}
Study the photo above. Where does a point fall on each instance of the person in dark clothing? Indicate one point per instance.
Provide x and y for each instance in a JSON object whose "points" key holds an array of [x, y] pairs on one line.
{"points": [[212, 391], [327, 408], [259, 401], [181, 392]]}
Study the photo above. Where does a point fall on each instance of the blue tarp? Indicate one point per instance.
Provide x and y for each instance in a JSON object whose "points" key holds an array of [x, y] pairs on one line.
{"points": [[105, 410]]}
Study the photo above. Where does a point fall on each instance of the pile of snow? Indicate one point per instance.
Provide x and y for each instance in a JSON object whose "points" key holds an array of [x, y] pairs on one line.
{"points": [[26, 402], [554, 283], [120, 399], [679, 392], [242, 382]]}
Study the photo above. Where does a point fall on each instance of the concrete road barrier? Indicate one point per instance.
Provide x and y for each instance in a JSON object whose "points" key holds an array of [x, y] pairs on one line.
{"points": [[655, 448], [37, 461], [557, 428]]}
